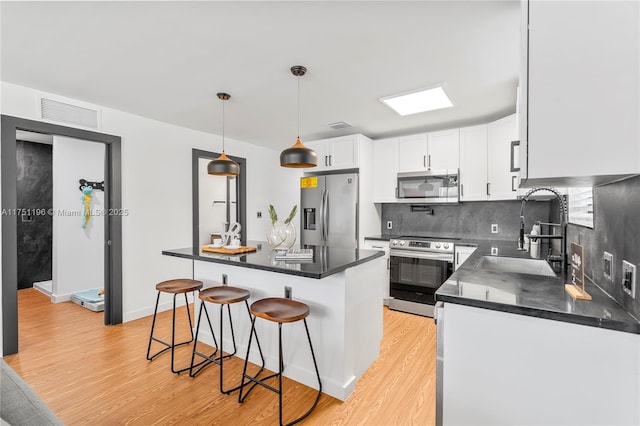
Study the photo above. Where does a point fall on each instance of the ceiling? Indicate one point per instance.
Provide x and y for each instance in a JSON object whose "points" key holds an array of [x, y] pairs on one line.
{"points": [[167, 60]]}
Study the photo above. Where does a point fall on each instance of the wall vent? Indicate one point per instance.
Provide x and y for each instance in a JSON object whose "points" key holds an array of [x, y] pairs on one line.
{"points": [[68, 113], [339, 125]]}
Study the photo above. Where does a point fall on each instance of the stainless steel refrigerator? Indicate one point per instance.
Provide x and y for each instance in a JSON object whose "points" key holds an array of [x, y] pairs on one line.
{"points": [[329, 205]]}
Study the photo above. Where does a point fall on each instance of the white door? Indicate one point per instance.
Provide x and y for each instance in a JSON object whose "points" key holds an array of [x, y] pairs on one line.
{"points": [[473, 163], [385, 167], [412, 153], [502, 181], [443, 150]]}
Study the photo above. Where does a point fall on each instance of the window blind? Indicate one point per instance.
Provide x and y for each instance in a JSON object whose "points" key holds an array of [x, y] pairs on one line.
{"points": [[581, 206]]}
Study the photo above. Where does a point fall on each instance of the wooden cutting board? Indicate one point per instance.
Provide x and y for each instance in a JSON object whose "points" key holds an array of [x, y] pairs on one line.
{"points": [[222, 250]]}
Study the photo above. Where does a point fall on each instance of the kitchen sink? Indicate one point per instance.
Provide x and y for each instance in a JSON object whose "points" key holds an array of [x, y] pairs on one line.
{"points": [[516, 264]]}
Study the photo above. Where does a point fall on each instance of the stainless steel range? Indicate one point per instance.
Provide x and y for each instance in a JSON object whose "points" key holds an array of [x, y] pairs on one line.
{"points": [[419, 266]]}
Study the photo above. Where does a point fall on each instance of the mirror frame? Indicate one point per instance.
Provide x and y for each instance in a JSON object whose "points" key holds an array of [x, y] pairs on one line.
{"points": [[241, 191]]}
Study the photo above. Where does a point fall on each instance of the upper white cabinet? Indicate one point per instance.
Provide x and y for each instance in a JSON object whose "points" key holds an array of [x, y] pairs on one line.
{"points": [[501, 172], [473, 163], [385, 165], [336, 153], [429, 151], [580, 91], [488, 161]]}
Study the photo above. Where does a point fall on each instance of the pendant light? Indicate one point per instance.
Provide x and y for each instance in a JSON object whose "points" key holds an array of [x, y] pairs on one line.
{"points": [[298, 155], [223, 165]]}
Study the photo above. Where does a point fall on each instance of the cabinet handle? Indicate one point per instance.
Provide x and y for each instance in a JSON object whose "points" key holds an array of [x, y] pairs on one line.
{"points": [[513, 181], [326, 160], [329, 160], [462, 189], [424, 161], [429, 161], [378, 247], [388, 263], [457, 259], [488, 191]]}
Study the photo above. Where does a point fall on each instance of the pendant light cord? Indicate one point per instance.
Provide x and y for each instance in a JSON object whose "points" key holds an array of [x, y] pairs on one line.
{"points": [[298, 107], [223, 125]]}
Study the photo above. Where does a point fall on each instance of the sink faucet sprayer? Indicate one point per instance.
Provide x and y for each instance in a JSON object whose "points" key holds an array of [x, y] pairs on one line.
{"points": [[564, 219]]}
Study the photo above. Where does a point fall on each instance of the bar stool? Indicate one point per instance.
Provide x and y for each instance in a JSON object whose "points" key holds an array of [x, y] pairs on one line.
{"points": [[221, 295], [177, 286], [276, 309]]}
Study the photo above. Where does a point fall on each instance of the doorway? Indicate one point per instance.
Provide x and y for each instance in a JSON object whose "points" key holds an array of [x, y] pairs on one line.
{"points": [[112, 223]]}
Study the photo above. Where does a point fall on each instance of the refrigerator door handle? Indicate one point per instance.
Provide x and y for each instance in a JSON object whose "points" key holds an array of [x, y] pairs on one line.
{"points": [[325, 216]]}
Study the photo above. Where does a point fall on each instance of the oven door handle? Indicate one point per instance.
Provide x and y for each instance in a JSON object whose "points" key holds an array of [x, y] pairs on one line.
{"points": [[428, 256]]}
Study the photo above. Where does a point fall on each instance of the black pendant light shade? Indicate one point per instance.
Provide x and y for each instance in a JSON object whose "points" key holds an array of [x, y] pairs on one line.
{"points": [[298, 155], [223, 165]]}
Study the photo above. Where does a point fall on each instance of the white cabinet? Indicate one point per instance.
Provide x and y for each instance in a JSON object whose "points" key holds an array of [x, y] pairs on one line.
{"points": [[462, 253], [501, 141], [580, 68], [473, 163], [499, 368], [383, 246], [429, 151], [487, 158], [385, 166], [336, 153]]}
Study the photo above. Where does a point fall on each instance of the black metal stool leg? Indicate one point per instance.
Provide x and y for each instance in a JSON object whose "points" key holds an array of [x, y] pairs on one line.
{"points": [[153, 325], [207, 359]]}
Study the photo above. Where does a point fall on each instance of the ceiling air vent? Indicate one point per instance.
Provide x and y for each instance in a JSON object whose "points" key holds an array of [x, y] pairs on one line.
{"points": [[339, 125], [68, 113]]}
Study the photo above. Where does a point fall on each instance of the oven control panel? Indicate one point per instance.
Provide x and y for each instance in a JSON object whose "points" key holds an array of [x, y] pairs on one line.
{"points": [[423, 245]]}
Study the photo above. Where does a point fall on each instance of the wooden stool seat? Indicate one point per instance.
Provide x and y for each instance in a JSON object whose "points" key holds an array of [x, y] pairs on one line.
{"points": [[224, 294], [280, 310], [180, 285]]}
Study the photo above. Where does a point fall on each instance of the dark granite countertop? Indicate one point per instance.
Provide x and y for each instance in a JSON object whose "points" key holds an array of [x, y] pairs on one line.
{"points": [[326, 260], [532, 295]]}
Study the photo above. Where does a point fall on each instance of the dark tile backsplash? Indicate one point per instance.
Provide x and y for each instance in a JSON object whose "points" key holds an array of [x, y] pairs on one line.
{"points": [[616, 230], [465, 220]]}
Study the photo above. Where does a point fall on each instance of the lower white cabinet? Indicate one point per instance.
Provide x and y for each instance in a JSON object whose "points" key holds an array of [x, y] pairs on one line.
{"points": [[498, 368], [462, 253], [384, 246]]}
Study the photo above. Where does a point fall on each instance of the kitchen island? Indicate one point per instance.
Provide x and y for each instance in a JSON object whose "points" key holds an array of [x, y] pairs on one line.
{"points": [[515, 348], [343, 288]]}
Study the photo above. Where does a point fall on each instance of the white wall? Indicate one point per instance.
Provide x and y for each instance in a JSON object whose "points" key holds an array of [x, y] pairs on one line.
{"points": [[156, 190], [78, 253]]}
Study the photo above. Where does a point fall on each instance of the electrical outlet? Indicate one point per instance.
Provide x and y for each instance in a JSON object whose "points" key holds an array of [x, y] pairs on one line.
{"points": [[629, 278], [607, 265], [389, 224], [287, 292], [494, 228], [494, 251], [259, 215]]}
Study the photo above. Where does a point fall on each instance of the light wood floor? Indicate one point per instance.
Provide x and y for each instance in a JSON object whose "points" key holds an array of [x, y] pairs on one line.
{"points": [[91, 374]]}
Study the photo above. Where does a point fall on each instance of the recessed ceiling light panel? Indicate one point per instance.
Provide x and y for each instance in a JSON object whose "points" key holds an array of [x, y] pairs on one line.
{"points": [[418, 101]]}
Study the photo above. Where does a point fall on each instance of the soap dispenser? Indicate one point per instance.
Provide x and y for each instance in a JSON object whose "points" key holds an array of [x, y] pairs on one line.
{"points": [[534, 244]]}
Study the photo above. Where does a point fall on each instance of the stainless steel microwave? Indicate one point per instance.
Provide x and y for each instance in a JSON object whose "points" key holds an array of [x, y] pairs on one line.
{"points": [[433, 187]]}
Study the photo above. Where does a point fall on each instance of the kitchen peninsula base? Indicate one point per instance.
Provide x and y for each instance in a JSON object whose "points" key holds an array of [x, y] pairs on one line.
{"points": [[345, 322]]}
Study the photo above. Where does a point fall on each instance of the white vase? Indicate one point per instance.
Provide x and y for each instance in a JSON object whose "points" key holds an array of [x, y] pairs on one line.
{"points": [[281, 236]]}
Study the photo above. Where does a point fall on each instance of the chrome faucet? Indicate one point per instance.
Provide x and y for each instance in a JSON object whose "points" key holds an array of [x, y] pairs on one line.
{"points": [[564, 220]]}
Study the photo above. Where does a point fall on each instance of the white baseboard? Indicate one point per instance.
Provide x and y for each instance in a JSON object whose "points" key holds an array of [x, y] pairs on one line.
{"points": [[58, 298], [162, 306]]}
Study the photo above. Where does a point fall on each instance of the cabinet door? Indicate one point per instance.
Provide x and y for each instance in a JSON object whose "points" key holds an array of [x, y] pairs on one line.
{"points": [[583, 88], [502, 182], [443, 150], [385, 166], [320, 147], [342, 152], [412, 153], [473, 163], [384, 246], [462, 254]]}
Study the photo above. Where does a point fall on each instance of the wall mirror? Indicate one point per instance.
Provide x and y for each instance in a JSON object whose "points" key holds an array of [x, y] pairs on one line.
{"points": [[216, 199]]}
